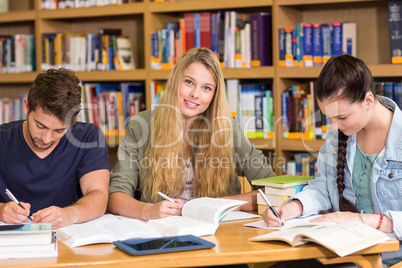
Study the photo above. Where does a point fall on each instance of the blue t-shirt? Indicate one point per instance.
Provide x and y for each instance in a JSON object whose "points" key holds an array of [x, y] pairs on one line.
{"points": [[53, 180]]}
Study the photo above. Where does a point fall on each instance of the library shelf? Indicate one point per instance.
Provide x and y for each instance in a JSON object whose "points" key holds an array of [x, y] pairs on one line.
{"points": [[18, 77], [317, 2], [265, 72], [18, 16], [300, 145], [194, 5], [87, 12], [112, 76]]}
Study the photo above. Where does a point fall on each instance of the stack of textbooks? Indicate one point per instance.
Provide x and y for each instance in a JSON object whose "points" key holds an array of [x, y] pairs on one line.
{"points": [[278, 189], [27, 241]]}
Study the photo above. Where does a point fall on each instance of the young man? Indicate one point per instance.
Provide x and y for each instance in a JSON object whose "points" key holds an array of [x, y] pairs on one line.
{"points": [[58, 167]]}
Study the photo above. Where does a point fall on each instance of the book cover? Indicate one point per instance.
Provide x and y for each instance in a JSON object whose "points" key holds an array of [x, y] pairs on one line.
{"points": [[349, 38], [25, 234], [189, 26], [308, 45], [343, 239], [288, 47], [326, 35], [336, 39], [282, 44], [317, 44], [261, 39], [395, 30], [284, 191], [282, 181], [125, 53]]}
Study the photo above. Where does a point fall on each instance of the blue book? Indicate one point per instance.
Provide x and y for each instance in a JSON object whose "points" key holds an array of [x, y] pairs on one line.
{"points": [[285, 114], [100, 87], [395, 30], [215, 33], [282, 53], [308, 45], [398, 94], [388, 90], [326, 35], [197, 32], [336, 39], [317, 45]]}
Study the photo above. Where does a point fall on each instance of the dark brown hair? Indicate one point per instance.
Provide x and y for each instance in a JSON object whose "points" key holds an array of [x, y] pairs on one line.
{"points": [[56, 92], [348, 78]]}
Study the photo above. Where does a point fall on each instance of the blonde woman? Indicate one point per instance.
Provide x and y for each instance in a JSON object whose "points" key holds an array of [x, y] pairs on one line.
{"points": [[189, 147]]}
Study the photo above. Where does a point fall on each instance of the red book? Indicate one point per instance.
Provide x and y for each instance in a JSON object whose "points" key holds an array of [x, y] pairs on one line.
{"points": [[205, 29], [189, 25]]}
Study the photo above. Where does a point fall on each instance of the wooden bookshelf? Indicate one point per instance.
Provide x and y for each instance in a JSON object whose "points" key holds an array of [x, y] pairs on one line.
{"points": [[141, 18]]}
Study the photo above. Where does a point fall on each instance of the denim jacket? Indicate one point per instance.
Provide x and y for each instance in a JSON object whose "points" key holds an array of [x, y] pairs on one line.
{"points": [[321, 193]]}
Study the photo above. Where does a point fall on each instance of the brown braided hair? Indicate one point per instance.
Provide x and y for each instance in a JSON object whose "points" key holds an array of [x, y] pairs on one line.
{"points": [[344, 77]]}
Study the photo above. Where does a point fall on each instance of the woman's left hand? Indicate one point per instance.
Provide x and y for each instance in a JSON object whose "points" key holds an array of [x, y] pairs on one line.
{"points": [[338, 217]]}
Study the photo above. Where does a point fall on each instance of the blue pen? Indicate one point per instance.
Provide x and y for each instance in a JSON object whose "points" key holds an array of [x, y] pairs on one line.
{"points": [[269, 204]]}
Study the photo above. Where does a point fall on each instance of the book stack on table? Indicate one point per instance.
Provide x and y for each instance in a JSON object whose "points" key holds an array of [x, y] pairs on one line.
{"points": [[30, 240], [278, 189]]}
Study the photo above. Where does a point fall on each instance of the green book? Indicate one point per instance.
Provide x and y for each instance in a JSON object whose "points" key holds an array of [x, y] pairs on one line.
{"points": [[283, 181]]}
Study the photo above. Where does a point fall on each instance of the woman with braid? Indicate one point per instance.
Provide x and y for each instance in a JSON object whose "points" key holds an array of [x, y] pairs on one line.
{"points": [[360, 165]]}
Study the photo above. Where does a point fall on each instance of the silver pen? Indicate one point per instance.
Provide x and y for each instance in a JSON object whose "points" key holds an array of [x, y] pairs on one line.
{"points": [[12, 197], [166, 197], [269, 204]]}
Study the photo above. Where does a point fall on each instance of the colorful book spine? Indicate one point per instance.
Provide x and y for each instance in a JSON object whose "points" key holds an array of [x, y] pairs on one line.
{"points": [[337, 39], [308, 45], [317, 45], [395, 30]]}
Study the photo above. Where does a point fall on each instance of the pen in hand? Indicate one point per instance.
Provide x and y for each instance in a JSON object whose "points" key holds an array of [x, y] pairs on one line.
{"points": [[166, 197], [269, 204], [12, 197]]}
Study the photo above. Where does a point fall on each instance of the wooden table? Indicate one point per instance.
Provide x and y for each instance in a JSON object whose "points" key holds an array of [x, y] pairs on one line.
{"points": [[231, 247]]}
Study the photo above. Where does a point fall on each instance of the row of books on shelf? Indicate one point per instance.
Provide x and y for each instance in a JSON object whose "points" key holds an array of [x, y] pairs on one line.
{"points": [[27, 241], [12, 109], [310, 45], [302, 164], [61, 4], [278, 189], [392, 90], [106, 50], [300, 114], [239, 40], [251, 103], [17, 53], [111, 105]]}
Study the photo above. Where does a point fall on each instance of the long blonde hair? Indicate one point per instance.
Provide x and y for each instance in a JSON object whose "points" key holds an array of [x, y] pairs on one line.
{"points": [[211, 146]]}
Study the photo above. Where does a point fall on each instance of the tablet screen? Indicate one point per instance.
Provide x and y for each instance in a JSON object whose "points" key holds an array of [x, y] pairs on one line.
{"points": [[162, 243]]}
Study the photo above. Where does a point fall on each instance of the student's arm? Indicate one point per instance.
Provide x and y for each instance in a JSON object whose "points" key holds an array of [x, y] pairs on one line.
{"points": [[125, 205], [12, 213], [250, 197], [94, 187]]}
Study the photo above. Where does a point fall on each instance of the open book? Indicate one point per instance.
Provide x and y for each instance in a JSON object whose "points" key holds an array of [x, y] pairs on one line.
{"points": [[343, 239], [201, 216], [105, 229]]}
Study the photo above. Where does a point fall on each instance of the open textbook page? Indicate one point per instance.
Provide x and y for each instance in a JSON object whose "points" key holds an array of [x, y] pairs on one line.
{"points": [[289, 223], [201, 216], [343, 239], [105, 229]]}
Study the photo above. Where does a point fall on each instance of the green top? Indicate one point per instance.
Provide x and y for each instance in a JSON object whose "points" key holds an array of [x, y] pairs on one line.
{"points": [[363, 164]]}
